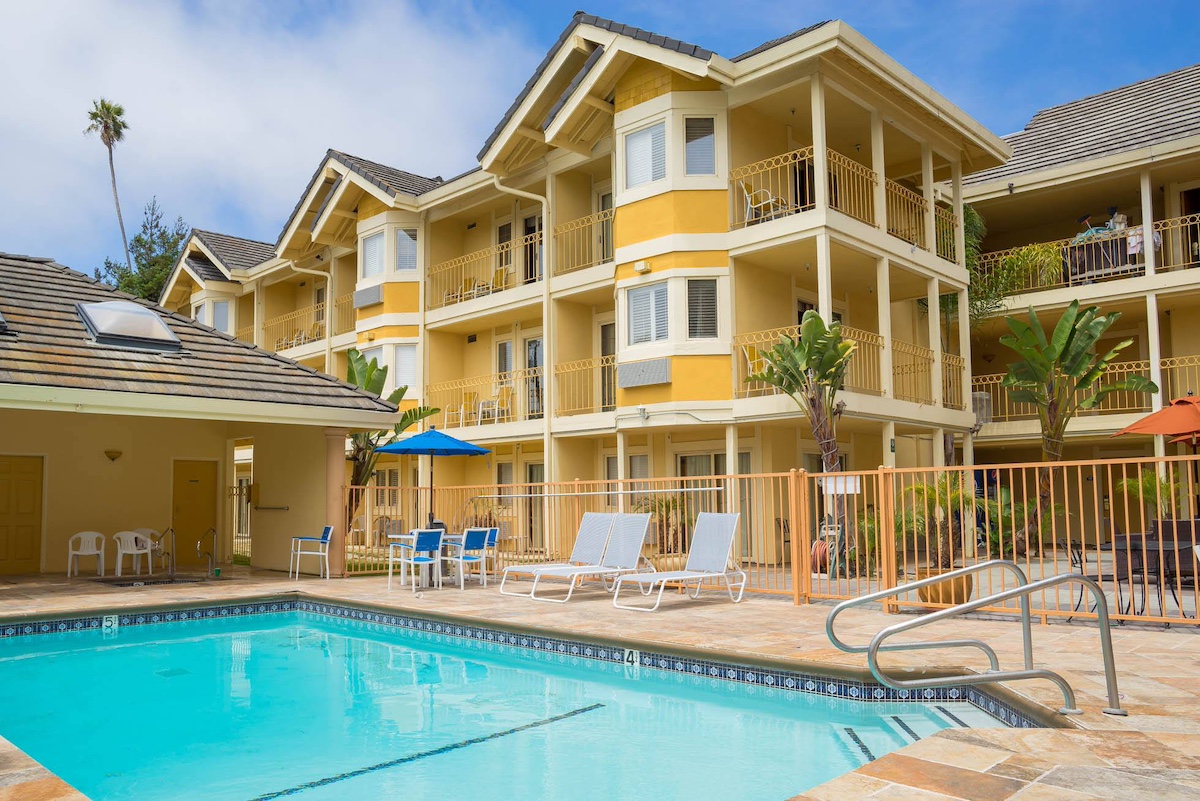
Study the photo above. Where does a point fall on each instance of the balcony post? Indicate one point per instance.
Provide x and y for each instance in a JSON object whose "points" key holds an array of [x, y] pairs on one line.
{"points": [[889, 443], [883, 294], [820, 150], [731, 468], [939, 447], [824, 279], [964, 349], [260, 317], [960, 237], [880, 168], [331, 306], [1151, 258], [1155, 354], [927, 193], [935, 339], [622, 468]]}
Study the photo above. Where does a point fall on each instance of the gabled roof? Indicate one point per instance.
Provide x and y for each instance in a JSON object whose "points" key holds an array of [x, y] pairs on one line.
{"points": [[1153, 111], [204, 269], [765, 46], [52, 348], [234, 252]]}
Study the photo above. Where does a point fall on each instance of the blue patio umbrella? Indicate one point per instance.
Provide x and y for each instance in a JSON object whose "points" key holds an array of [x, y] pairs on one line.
{"points": [[433, 443]]}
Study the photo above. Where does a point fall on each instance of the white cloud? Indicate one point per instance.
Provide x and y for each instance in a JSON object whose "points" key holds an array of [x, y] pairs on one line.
{"points": [[231, 108]]}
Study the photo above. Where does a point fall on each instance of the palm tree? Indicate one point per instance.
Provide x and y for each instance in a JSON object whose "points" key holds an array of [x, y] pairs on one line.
{"points": [[1158, 492], [108, 119], [1060, 375]]}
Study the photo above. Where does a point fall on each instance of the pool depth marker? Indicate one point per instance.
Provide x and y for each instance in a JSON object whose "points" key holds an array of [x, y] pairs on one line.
{"points": [[423, 754]]}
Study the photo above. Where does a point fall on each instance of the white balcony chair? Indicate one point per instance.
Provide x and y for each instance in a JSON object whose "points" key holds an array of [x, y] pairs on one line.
{"points": [[761, 204], [311, 546], [85, 543], [134, 545]]}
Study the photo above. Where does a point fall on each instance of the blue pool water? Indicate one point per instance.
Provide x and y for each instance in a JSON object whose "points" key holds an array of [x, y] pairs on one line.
{"points": [[298, 705]]}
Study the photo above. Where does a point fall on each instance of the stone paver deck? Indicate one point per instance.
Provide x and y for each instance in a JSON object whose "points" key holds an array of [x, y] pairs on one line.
{"points": [[1154, 752]]}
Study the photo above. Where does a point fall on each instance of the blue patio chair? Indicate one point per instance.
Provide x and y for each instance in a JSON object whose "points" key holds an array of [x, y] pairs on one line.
{"points": [[489, 552], [311, 546], [426, 541], [470, 550]]}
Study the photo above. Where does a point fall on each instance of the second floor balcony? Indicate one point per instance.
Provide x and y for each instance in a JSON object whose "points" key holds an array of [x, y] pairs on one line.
{"points": [[486, 272], [584, 242], [308, 324], [489, 399], [586, 386]]}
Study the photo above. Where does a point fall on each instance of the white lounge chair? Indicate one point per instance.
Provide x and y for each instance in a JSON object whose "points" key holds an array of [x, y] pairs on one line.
{"points": [[622, 555], [85, 543], [589, 546], [708, 560], [133, 544]]}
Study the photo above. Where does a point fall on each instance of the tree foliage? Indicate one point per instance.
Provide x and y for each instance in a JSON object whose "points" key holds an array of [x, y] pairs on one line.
{"points": [[155, 250], [107, 119]]}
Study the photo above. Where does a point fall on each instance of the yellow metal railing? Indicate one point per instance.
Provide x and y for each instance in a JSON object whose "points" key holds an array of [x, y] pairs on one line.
{"points": [[1180, 377], [772, 188], [864, 374], [992, 403], [587, 385], [1003, 409], [486, 271], [912, 372], [1179, 239], [246, 333], [953, 367], [906, 212], [344, 317], [945, 224], [852, 187], [486, 399], [296, 328], [584, 242]]}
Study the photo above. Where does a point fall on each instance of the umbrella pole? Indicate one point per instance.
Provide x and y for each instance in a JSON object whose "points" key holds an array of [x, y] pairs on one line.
{"points": [[431, 457]]}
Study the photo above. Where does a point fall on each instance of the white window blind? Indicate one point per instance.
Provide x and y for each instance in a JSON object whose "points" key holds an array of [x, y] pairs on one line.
{"points": [[639, 465], [645, 155], [700, 146], [406, 249], [648, 313], [198, 313], [405, 366], [504, 362], [373, 353], [702, 308], [221, 315], [372, 255]]}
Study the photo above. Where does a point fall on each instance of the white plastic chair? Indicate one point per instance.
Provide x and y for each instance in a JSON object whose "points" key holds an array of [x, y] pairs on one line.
{"points": [[133, 544], [155, 536], [85, 543], [311, 546], [471, 549]]}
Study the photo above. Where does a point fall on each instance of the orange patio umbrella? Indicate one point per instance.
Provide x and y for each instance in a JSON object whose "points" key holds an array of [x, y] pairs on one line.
{"points": [[1181, 421]]}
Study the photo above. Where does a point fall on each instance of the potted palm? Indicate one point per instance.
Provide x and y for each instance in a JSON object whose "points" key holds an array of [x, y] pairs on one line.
{"points": [[1150, 489]]}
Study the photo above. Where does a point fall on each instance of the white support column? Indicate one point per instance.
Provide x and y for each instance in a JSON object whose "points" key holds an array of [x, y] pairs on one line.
{"points": [[622, 465], [927, 192], [964, 345], [260, 308], [1148, 223], [330, 306], [879, 166], [731, 467], [968, 448], [935, 339], [335, 502], [824, 279], [549, 332], [889, 444], [939, 447], [820, 154], [960, 238], [883, 294], [1155, 357]]}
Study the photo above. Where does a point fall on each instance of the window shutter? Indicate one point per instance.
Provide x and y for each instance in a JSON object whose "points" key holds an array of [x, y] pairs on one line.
{"points": [[639, 465], [661, 329], [406, 249], [640, 313], [405, 366], [700, 151], [645, 155], [372, 255], [702, 308], [504, 357]]}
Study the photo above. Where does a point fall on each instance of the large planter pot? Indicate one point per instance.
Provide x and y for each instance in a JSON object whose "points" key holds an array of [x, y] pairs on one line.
{"points": [[952, 591]]}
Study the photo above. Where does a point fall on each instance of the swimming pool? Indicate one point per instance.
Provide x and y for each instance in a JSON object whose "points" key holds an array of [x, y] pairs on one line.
{"points": [[301, 704]]}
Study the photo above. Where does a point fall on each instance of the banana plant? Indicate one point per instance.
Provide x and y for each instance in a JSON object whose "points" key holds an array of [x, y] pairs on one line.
{"points": [[1060, 375]]}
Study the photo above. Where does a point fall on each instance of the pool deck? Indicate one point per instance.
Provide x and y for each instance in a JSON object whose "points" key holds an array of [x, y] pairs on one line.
{"points": [[1154, 752]]}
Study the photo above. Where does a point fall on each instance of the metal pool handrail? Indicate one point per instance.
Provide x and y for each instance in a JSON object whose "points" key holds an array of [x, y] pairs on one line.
{"points": [[994, 674]]}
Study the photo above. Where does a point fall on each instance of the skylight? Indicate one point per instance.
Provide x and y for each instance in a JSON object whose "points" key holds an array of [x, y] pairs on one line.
{"points": [[123, 324]]}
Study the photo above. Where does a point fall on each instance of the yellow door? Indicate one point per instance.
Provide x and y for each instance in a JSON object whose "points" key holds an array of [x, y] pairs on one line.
{"points": [[194, 510], [20, 514]]}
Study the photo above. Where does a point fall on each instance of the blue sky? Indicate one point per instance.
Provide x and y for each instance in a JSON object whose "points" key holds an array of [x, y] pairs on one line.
{"points": [[233, 104]]}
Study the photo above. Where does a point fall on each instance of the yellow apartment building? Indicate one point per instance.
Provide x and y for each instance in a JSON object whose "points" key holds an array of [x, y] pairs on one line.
{"points": [[1109, 187], [646, 218]]}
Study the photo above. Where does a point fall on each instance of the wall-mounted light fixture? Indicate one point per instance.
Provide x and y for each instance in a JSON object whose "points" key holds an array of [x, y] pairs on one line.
{"points": [[113, 455]]}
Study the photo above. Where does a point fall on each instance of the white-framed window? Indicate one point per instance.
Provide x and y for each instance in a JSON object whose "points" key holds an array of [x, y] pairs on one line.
{"points": [[375, 353], [406, 249], [405, 366], [198, 313], [700, 145], [504, 356], [648, 309], [319, 304], [504, 480], [387, 477], [646, 155], [220, 321], [702, 308], [372, 255]]}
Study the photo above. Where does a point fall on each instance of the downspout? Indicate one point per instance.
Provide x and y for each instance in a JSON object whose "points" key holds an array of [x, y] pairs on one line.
{"points": [[548, 350], [328, 276]]}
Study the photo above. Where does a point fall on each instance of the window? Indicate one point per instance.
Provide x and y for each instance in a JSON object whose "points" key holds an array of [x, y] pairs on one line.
{"points": [[319, 304], [387, 477], [372, 255], [702, 308], [405, 366], [646, 155], [700, 146], [122, 323], [220, 310], [373, 353], [648, 313], [504, 478], [198, 313], [406, 249], [504, 362]]}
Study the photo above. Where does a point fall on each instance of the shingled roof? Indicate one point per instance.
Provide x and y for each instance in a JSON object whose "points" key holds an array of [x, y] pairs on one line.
{"points": [[389, 179], [1153, 111], [46, 344], [235, 252], [204, 269]]}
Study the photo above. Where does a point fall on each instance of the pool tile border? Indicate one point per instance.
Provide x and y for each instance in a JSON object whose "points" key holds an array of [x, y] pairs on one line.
{"points": [[771, 679]]}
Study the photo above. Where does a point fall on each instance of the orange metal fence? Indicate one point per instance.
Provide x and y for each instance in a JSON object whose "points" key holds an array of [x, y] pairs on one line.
{"points": [[1130, 524]]}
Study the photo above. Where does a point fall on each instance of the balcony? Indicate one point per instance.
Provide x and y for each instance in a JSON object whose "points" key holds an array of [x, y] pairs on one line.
{"points": [[344, 316], [1096, 255], [953, 367], [488, 399], [586, 386], [912, 372], [584, 242], [865, 366], [486, 272], [246, 334], [906, 212], [992, 402], [295, 328]]}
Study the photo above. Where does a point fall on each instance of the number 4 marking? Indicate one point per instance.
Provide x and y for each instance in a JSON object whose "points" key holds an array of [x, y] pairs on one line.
{"points": [[632, 658]]}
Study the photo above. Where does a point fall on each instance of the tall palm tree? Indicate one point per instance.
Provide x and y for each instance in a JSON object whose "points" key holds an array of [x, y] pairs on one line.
{"points": [[108, 119]]}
